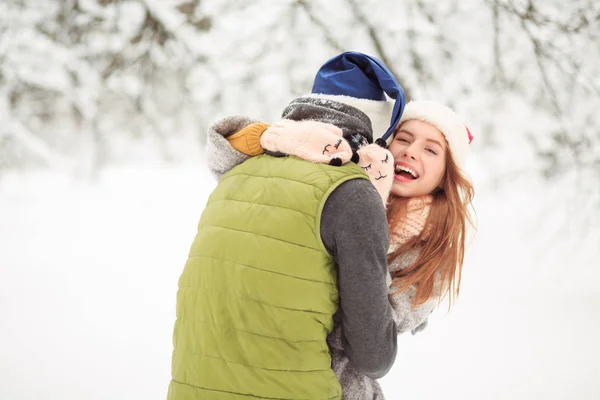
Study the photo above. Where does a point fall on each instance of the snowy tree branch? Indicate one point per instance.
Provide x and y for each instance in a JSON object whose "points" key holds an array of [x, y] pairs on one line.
{"points": [[306, 6], [378, 44]]}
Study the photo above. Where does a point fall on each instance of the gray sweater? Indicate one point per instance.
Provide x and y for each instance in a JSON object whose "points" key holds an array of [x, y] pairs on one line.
{"points": [[354, 230]]}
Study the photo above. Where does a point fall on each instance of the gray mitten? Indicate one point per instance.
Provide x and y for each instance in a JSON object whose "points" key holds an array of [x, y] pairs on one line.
{"points": [[419, 328]]}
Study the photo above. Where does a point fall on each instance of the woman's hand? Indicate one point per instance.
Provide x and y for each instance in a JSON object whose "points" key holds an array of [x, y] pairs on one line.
{"points": [[247, 140], [378, 163], [310, 140]]}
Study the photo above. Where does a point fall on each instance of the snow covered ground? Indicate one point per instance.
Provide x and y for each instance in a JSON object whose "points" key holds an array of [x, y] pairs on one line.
{"points": [[88, 276]]}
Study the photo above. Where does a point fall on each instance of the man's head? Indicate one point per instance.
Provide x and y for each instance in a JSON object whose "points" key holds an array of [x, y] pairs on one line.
{"points": [[364, 82], [354, 87], [354, 124]]}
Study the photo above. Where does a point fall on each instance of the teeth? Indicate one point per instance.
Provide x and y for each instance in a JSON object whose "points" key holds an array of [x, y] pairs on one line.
{"points": [[406, 169]]}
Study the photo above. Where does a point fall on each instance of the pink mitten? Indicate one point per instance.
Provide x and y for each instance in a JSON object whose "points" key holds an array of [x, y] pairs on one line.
{"points": [[310, 140], [378, 163]]}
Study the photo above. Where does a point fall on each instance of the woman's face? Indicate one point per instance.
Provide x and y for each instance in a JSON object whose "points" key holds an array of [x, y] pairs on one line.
{"points": [[419, 151]]}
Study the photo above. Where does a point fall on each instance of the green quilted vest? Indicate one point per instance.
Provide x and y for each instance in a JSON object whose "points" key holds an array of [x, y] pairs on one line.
{"points": [[258, 292]]}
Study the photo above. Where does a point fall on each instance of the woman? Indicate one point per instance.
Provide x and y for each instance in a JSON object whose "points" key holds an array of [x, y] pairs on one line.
{"points": [[428, 210]]}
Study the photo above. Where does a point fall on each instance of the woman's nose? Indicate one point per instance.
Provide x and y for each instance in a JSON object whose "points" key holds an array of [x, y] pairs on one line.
{"points": [[410, 153]]}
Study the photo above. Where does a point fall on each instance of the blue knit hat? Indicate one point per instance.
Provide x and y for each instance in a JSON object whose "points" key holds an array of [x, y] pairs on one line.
{"points": [[363, 81]]}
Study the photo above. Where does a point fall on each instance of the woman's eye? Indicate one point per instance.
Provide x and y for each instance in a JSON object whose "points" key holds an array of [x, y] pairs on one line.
{"points": [[432, 151], [402, 140], [387, 158]]}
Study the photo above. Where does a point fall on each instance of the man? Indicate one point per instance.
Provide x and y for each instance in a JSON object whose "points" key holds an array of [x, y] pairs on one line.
{"points": [[282, 246]]}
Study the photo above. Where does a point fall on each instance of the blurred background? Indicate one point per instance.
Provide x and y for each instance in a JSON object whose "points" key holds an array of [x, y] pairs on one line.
{"points": [[104, 105]]}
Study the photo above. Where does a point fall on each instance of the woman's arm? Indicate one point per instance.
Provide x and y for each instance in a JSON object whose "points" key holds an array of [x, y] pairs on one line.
{"points": [[221, 156], [233, 140], [317, 142], [405, 316]]}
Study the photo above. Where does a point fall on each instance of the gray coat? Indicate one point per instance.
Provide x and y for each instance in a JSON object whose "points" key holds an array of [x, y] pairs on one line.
{"points": [[355, 385]]}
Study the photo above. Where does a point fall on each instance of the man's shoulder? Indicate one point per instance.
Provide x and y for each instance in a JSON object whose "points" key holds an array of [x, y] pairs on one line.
{"points": [[356, 189], [355, 200], [294, 168]]}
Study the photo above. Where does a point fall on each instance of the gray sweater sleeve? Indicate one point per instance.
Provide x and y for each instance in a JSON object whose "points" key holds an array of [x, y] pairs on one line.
{"points": [[220, 155], [354, 229], [405, 316]]}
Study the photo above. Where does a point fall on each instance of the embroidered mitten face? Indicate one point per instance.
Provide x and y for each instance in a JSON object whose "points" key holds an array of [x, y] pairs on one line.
{"points": [[310, 140], [378, 163]]}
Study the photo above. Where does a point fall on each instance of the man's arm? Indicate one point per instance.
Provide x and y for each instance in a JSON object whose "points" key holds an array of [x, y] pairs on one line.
{"points": [[354, 229]]}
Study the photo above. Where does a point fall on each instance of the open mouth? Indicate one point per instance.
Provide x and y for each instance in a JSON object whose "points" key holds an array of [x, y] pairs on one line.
{"points": [[405, 172]]}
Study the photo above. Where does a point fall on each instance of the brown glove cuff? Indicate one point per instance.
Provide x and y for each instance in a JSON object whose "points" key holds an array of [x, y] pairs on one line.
{"points": [[247, 140]]}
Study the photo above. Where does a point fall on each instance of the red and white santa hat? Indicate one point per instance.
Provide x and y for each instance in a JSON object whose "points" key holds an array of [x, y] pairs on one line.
{"points": [[445, 119]]}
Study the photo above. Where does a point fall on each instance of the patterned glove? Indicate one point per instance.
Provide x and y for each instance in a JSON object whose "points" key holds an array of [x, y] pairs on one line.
{"points": [[310, 140], [378, 163]]}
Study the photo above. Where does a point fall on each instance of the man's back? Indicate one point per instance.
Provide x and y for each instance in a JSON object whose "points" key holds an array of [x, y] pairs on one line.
{"points": [[259, 290]]}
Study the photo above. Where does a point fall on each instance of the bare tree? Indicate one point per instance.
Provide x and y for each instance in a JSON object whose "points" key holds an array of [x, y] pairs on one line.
{"points": [[489, 60], [521, 71], [562, 46], [76, 72]]}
